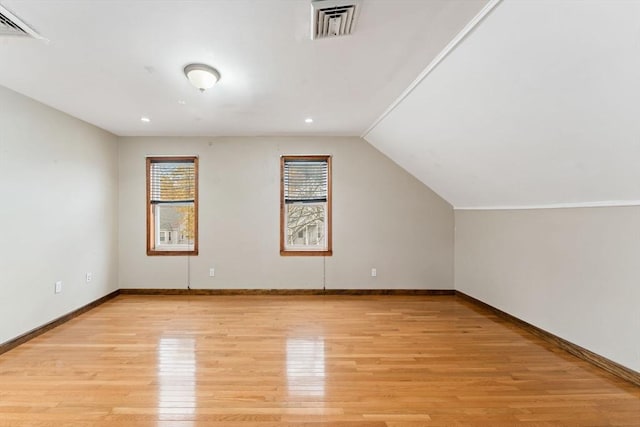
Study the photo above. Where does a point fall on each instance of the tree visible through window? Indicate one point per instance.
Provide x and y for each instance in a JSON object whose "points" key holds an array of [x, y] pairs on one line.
{"points": [[172, 205], [305, 205]]}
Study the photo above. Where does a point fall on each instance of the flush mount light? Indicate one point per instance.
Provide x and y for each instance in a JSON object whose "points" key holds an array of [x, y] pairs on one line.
{"points": [[145, 119], [201, 76], [308, 120]]}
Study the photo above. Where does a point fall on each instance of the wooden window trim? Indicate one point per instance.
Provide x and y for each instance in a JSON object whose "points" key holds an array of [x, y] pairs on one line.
{"points": [[329, 250], [150, 223]]}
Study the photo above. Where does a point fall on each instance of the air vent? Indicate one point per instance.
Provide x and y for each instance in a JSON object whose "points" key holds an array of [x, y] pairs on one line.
{"points": [[10, 25], [333, 18]]}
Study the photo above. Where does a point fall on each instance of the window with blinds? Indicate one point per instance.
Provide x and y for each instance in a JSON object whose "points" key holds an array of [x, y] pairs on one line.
{"points": [[305, 205], [172, 205]]}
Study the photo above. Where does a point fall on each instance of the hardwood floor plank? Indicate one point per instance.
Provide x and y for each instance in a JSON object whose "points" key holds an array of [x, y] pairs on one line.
{"points": [[302, 360]]}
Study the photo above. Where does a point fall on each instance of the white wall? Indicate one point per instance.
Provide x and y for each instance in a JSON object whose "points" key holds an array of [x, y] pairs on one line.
{"points": [[58, 213], [572, 272], [382, 218]]}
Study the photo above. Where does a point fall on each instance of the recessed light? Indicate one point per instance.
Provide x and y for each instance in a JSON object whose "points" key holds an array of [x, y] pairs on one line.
{"points": [[145, 119], [308, 120]]}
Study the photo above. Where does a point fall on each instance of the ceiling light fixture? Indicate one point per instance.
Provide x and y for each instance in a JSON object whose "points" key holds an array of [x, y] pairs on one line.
{"points": [[308, 120], [145, 119], [201, 76]]}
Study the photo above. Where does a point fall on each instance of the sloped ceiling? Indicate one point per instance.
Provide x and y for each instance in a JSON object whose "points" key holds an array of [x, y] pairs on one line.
{"points": [[538, 106]]}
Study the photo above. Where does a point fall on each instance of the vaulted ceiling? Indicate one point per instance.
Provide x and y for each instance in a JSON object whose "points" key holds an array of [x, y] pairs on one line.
{"points": [[538, 106], [531, 103]]}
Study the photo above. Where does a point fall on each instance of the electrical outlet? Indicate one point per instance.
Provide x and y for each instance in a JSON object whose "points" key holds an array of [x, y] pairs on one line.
{"points": [[374, 272], [89, 277], [58, 287], [212, 272]]}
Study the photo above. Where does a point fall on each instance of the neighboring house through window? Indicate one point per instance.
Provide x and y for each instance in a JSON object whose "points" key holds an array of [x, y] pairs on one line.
{"points": [[172, 205], [305, 205]]}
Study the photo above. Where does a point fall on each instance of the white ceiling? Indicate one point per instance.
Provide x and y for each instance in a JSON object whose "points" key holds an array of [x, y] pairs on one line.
{"points": [[538, 106], [111, 62]]}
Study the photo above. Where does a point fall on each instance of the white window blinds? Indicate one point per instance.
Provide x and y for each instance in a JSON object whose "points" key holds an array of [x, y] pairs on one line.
{"points": [[305, 181], [172, 181]]}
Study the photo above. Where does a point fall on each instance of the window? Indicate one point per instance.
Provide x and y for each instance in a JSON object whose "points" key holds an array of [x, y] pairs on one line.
{"points": [[172, 205], [305, 205]]}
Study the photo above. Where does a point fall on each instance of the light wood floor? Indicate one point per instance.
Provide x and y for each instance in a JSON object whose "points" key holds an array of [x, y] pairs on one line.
{"points": [[302, 360]]}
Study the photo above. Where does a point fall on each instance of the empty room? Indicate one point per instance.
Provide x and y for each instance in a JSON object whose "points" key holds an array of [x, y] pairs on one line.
{"points": [[350, 213]]}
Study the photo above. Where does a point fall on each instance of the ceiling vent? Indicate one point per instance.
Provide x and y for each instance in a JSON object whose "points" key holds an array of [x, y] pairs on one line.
{"points": [[11, 25], [333, 18]]}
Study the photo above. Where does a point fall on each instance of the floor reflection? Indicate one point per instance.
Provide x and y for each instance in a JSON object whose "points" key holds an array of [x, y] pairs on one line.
{"points": [[305, 366], [177, 380]]}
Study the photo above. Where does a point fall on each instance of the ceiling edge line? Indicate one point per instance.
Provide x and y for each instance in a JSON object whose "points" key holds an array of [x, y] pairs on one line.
{"points": [[436, 61], [578, 205]]}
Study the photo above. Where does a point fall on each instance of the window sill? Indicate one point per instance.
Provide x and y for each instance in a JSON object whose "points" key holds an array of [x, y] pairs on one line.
{"points": [[305, 253], [171, 253]]}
